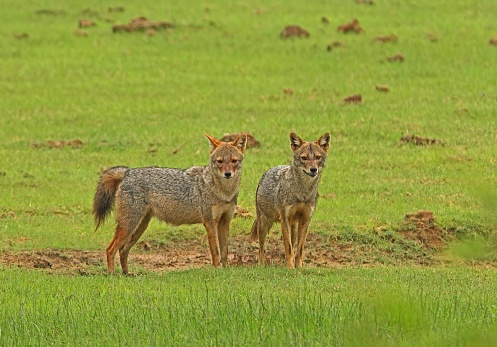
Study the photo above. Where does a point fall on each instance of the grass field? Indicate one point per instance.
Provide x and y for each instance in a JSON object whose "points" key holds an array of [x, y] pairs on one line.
{"points": [[247, 307], [138, 99]]}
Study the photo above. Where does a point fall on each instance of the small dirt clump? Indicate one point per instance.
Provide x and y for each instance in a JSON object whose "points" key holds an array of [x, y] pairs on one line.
{"points": [[350, 27], [294, 31], [353, 99], [141, 24], [420, 141], [386, 38], [251, 141]]}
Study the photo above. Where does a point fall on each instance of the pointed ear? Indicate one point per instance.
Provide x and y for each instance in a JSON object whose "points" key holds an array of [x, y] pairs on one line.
{"points": [[324, 142], [240, 142], [213, 142], [295, 141]]}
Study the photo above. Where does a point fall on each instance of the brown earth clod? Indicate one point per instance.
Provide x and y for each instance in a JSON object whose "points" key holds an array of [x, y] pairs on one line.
{"points": [[396, 57], [386, 38], [21, 36], [334, 44], [382, 88], [76, 143], [116, 9], [353, 99], [294, 31], [353, 26], [241, 212], [251, 141], [86, 23], [142, 24], [420, 141], [288, 91]]}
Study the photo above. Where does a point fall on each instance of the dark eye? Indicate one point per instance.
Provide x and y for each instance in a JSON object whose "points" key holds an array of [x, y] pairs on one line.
{"points": [[219, 161], [234, 161], [304, 157], [317, 157]]}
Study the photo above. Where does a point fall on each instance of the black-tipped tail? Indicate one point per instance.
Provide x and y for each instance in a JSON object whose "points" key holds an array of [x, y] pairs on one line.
{"points": [[106, 193], [254, 232]]}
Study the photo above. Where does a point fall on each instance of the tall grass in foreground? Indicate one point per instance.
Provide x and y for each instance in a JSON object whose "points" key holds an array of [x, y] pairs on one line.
{"points": [[252, 306]]}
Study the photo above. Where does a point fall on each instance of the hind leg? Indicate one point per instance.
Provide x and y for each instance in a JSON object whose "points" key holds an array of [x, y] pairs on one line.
{"points": [[120, 238], [124, 250], [264, 226]]}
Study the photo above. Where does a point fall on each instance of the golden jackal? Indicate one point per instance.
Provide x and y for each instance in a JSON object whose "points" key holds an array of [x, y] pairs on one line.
{"points": [[288, 194], [199, 194]]}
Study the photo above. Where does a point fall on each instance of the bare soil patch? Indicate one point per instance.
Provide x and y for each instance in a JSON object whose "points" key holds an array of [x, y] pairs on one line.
{"points": [[421, 226], [150, 256], [418, 240]]}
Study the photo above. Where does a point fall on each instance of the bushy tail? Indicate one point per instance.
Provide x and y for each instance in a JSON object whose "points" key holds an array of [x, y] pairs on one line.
{"points": [[254, 232], [106, 193]]}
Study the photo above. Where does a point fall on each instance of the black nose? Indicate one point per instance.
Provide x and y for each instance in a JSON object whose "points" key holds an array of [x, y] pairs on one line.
{"points": [[313, 169], [227, 174]]}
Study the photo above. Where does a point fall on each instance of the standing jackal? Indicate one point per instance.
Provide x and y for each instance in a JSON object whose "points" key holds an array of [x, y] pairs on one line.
{"points": [[288, 194], [199, 194]]}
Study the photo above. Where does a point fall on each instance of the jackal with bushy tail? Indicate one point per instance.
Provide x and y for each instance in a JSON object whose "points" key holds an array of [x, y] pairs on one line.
{"points": [[199, 194], [288, 194]]}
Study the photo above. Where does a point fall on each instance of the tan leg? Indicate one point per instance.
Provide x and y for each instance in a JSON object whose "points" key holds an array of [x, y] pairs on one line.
{"points": [[212, 237], [120, 238], [223, 231], [124, 250], [295, 233], [264, 226], [287, 242], [303, 230]]}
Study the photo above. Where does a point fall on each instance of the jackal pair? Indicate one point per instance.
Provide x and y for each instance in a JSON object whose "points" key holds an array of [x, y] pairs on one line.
{"points": [[208, 195]]}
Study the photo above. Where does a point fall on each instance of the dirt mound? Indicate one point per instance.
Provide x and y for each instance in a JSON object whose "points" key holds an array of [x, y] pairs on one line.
{"points": [[294, 31], [76, 143], [421, 227], [141, 24], [353, 26], [353, 99], [420, 141], [251, 141]]}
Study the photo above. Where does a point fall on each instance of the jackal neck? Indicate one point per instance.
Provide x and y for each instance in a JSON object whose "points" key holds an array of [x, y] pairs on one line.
{"points": [[305, 186], [223, 188]]}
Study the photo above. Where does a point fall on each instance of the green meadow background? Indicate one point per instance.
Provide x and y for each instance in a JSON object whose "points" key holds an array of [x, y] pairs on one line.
{"points": [[140, 100]]}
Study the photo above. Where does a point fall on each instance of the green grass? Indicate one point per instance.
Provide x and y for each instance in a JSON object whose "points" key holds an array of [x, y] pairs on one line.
{"points": [[223, 69], [347, 307]]}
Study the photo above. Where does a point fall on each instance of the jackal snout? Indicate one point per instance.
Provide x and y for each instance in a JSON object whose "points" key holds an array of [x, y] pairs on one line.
{"points": [[229, 167]]}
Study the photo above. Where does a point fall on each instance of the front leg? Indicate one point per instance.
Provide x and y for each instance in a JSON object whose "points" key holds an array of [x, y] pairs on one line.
{"points": [[287, 241], [223, 231], [212, 238], [303, 229]]}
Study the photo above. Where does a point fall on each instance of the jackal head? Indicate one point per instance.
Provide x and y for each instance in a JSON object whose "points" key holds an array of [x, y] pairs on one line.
{"points": [[310, 156], [227, 157]]}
